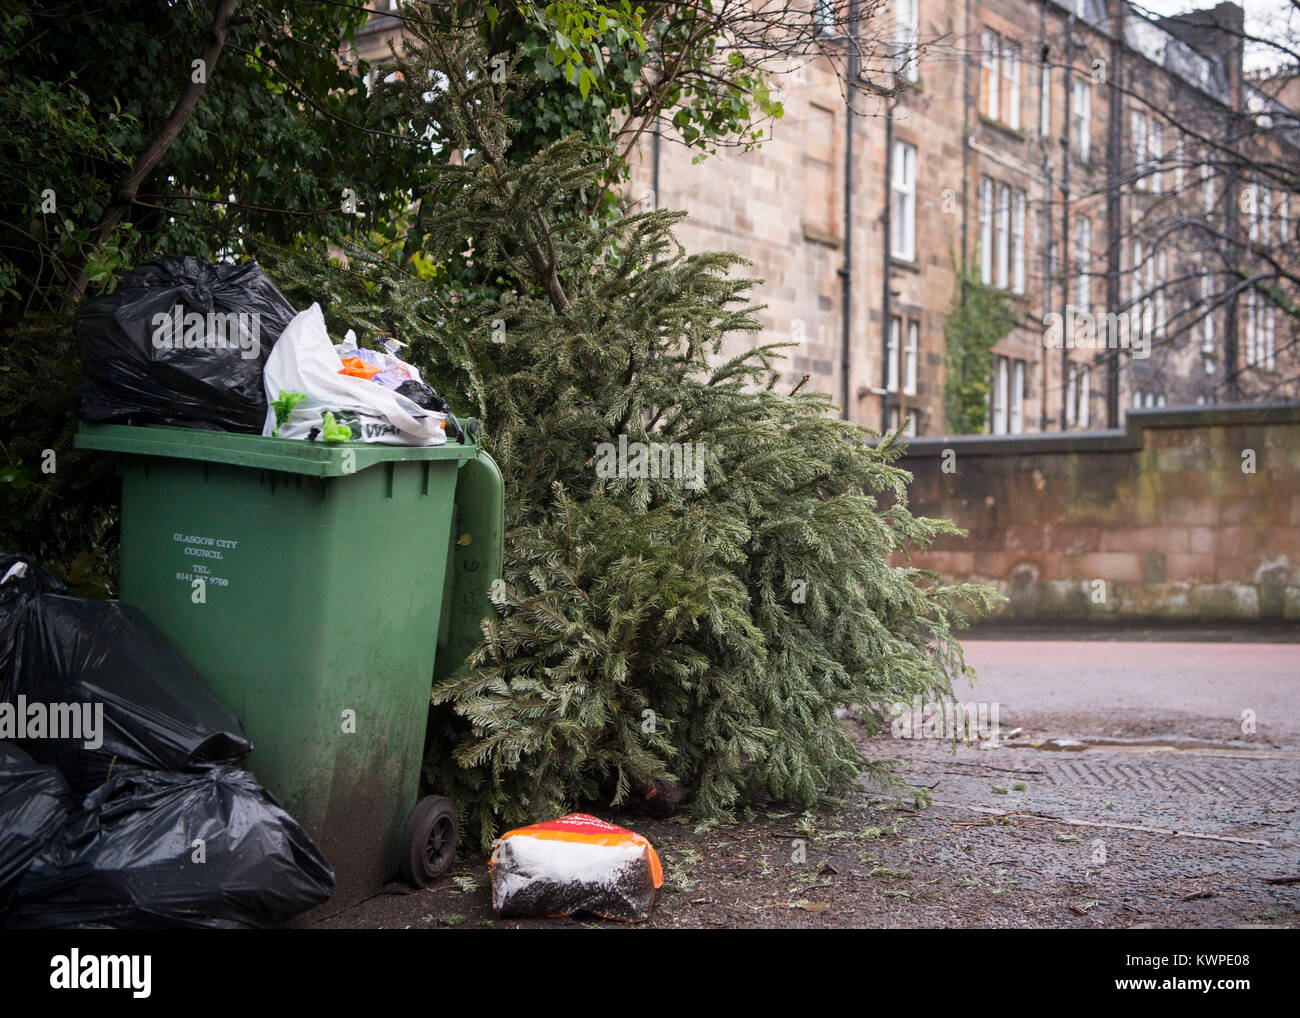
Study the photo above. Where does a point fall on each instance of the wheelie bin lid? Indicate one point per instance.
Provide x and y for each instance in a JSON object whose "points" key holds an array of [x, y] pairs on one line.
{"points": [[290, 455]]}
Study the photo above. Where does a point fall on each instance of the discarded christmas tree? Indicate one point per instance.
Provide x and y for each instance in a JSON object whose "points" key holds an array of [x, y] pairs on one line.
{"points": [[698, 569]]}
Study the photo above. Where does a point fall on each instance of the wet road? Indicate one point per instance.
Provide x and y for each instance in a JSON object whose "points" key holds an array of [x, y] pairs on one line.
{"points": [[1143, 689]]}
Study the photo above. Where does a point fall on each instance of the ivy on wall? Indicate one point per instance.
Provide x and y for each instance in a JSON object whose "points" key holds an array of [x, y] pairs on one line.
{"points": [[980, 316]]}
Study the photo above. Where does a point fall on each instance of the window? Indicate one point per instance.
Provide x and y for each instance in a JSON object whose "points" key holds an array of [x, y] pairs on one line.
{"points": [[1265, 215], [1156, 154], [1250, 328], [1017, 423], [1011, 84], [1148, 294], [1007, 406], [1207, 189], [1000, 386], [1180, 159], [1000, 79], [1261, 332], [1139, 304], [825, 17], [986, 231], [1045, 101], [895, 416], [1078, 378], [909, 360], [1139, 141], [903, 215], [1081, 115], [906, 30], [992, 47], [1269, 336], [1018, 241], [1207, 322], [891, 354], [1082, 263], [1001, 237], [1251, 194], [1162, 282], [901, 355], [1148, 151]]}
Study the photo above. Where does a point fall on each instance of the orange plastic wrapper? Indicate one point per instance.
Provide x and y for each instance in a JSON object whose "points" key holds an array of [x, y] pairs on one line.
{"points": [[359, 368], [578, 863]]}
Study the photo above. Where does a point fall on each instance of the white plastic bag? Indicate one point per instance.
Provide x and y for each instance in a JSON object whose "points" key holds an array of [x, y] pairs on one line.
{"points": [[303, 360]]}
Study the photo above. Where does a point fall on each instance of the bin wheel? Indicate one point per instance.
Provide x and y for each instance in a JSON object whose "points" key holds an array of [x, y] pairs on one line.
{"points": [[429, 840]]}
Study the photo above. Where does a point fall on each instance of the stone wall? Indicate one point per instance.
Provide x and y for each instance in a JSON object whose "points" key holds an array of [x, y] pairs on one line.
{"points": [[1189, 514]]}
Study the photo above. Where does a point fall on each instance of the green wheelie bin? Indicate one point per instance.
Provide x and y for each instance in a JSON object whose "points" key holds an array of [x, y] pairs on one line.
{"points": [[319, 589]]}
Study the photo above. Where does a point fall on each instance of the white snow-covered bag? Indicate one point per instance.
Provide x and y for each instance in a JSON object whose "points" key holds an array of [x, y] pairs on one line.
{"points": [[303, 360]]}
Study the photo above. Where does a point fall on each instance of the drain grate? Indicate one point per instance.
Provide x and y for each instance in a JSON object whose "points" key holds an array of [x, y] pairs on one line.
{"points": [[1208, 776]]}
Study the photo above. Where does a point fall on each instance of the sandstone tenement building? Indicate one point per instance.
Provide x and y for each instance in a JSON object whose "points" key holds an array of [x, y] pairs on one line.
{"points": [[1093, 164]]}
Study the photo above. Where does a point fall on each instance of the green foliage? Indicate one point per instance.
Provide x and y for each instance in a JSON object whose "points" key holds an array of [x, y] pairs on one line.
{"points": [[626, 67], [651, 631], [56, 502], [578, 33], [278, 133], [980, 316]]}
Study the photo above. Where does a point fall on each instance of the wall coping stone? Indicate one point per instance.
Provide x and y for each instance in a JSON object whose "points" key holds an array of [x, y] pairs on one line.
{"points": [[1120, 440]]}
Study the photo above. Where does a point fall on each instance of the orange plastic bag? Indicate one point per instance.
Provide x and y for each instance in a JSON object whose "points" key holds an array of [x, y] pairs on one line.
{"points": [[578, 863], [358, 368]]}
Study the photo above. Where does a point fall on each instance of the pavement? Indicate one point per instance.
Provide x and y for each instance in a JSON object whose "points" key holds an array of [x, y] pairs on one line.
{"points": [[1134, 783]]}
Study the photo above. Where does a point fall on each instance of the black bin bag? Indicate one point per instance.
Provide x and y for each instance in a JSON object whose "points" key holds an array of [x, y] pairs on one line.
{"points": [[180, 342], [105, 666], [20, 577], [155, 849], [34, 806]]}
